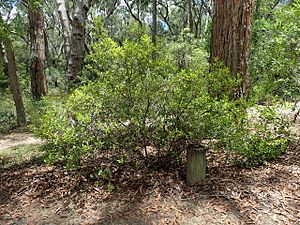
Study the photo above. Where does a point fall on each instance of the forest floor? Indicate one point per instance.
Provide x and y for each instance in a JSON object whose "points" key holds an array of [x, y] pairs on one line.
{"points": [[32, 192]]}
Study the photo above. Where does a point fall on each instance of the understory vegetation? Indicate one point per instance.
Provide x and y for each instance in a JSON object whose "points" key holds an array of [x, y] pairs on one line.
{"points": [[143, 96], [149, 112], [140, 98]]}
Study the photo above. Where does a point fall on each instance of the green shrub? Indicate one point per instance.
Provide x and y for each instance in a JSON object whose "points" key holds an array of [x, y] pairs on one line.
{"points": [[263, 136], [7, 113], [141, 97], [275, 63], [7, 121]]}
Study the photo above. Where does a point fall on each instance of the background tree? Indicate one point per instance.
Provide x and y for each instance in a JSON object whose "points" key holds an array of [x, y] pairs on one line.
{"points": [[4, 72], [14, 83], [73, 27], [154, 20], [190, 15], [37, 51], [11, 70]]}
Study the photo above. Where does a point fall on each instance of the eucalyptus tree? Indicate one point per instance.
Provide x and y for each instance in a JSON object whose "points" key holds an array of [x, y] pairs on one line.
{"points": [[177, 15], [11, 67], [3, 69], [190, 14], [106, 9], [73, 22], [37, 65], [202, 14], [154, 21], [231, 37], [164, 14], [138, 9]]}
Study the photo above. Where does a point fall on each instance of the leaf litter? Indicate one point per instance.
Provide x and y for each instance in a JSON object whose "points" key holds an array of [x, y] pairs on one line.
{"points": [[153, 193]]}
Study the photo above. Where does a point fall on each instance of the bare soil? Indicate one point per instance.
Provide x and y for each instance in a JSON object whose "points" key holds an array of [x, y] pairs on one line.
{"points": [[34, 193], [17, 139]]}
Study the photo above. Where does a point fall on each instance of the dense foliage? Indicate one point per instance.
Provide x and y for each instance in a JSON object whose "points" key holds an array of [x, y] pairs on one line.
{"points": [[275, 54], [142, 96], [133, 95]]}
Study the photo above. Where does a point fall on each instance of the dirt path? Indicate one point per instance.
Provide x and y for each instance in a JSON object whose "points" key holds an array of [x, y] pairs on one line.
{"points": [[34, 193], [17, 139]]}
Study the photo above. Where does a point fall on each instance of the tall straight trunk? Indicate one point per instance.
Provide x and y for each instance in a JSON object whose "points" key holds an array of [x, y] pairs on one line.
{"points": [[154, 21], [77, 50], [14, 83], [74, 36], [199, 26], [190, 15], [3, 62], [230, 41], [65, 24], [37, 53]]}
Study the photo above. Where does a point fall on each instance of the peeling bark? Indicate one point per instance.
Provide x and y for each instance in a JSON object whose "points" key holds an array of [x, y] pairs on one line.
{"points": [[77, 51], [39, 86], [74, 36], [65, 24]]}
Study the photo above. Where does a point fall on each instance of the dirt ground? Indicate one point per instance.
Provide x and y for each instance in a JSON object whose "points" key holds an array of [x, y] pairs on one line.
{"points": [[34, 193], [16, 139]]}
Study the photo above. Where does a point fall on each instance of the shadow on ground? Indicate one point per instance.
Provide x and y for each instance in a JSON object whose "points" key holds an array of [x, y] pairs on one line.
{"points": [[142, 193]]}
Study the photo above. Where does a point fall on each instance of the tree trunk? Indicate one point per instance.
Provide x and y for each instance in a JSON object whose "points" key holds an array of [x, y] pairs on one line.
{"points": [[154, 20], [65, 24], [196, 164], [3, 62], [77, 51], [74, 36], [14, 84], [37, 54], [190, 15], [230, 41]]}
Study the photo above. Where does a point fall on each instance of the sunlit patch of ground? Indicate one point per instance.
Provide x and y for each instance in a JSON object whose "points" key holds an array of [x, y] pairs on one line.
{"points": [[16, 140], [19, 147]]}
